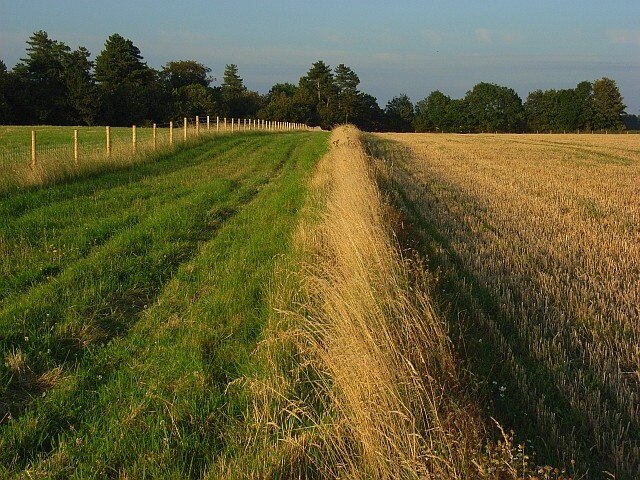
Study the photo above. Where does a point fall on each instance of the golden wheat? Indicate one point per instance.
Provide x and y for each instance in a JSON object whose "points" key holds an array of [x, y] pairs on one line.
{"points": [[550, 225]]}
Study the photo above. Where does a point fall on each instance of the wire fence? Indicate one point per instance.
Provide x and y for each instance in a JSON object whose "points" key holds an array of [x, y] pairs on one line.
{"points": [[40, 155], [45, 145]]}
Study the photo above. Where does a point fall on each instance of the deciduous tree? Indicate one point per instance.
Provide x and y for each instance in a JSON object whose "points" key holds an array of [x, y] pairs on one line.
{"points": [[186, 72], [400, 114], [495, 108], [432, 113], [608, 106]]}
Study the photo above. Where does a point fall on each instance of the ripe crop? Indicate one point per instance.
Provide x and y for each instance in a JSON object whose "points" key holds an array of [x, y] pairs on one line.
{"points": [[536, 239]]}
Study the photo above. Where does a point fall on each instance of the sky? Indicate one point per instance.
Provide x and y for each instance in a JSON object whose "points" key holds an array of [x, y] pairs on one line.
{"points": [[401, 46]]}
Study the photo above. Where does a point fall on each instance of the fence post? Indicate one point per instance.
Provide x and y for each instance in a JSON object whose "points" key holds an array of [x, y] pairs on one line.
{"points": [[133, 138], [232, 120], [208, 124], [185, 130], [171, 133], [108, 132], [197, 125], [75, 146], [217, 124], [33, 148], [155, 137]]}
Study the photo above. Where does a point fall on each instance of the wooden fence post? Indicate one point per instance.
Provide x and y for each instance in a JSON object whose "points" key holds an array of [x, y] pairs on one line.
{"points": [[208, 124], [75, 146], [217, 124], [108, 132], [171, 133], [33, 148], [185, 129], [225, 124], [133, 138], [232, 120], [197, 125], [155, 137]]}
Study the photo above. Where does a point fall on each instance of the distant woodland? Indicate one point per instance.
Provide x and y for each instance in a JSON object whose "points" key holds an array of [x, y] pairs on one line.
{"points": [[56, 85]]}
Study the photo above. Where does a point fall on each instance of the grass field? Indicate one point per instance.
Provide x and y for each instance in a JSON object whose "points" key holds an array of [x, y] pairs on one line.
{"points": [[56, 158], [248, 307], [15, 141], [130, 299], [535, 241]]}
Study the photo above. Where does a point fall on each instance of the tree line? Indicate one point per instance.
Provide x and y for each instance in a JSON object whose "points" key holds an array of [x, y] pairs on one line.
{"points": [[59, 86]]}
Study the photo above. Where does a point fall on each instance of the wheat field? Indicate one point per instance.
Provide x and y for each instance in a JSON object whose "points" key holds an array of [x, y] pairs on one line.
{"points": [[536, 242]]}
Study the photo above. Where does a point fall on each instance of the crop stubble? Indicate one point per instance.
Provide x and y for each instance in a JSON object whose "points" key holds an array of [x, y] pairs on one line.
{"points": [[549, 228]]}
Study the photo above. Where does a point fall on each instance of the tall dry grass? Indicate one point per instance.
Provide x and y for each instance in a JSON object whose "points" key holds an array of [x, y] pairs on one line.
{"points": [[359, 380], [385, 353], [548, 226]]}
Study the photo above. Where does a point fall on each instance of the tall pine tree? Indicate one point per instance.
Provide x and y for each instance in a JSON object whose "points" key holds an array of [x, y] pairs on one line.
{"points": [[81, 88], [127, 86], [41, 76], [346, 83]]}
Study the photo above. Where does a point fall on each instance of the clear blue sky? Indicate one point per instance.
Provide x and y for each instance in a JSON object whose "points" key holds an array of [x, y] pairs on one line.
{"points": [[400, 46]]}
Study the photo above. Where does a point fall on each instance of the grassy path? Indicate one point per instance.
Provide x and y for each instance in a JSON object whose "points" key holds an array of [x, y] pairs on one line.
{"points": [[129, 300]]}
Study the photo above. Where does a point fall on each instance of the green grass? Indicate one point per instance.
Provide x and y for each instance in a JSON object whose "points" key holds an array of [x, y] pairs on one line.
{"points": [[20, 136], [129, 301], [15, 141]]}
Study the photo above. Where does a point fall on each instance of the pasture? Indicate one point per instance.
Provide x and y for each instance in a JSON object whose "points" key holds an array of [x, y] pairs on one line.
{"points": [[131, 298]]}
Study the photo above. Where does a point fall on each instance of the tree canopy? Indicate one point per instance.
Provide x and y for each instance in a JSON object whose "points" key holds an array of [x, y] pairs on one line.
{"points": [[57, 85]]}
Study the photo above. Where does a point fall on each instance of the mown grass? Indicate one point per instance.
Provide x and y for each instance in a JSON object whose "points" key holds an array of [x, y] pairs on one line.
{"points": [[134, 298]]}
